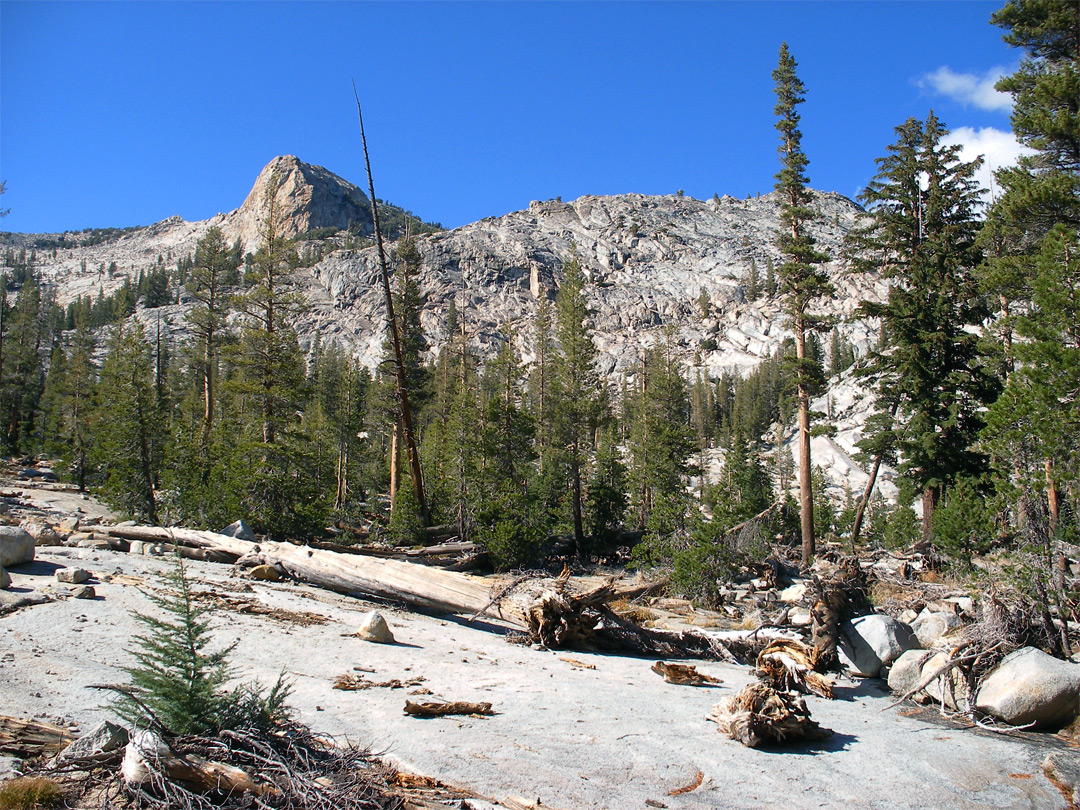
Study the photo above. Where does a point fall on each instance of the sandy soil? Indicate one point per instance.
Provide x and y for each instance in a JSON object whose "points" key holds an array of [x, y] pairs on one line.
{"points": [[575, 729]]}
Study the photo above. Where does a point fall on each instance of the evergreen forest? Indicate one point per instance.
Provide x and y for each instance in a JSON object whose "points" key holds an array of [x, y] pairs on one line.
{"points": [[976, 375]]}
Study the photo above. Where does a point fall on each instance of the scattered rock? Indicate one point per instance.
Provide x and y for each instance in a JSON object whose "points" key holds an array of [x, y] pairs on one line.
{"points": [[799, 617], [5, 579], [104, 738], [136, 547], [373, 627], [72, 576], [793, 593], [1031, 687], [38, 474], [265, 573], [84, 592], [240, 530], [913, 666], [16, 546], [43, 533], [69, 525], [1063, 769], [868, 644], [930, 627], [95, 541]]}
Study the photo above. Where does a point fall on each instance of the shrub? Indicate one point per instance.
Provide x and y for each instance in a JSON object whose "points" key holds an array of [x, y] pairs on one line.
{"points": [[181, 683], [30, 793]]}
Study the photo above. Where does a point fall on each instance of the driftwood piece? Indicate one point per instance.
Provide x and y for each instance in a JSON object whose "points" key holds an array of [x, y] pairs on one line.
{"points": [[759, 715], [148, 759], [690, 788], [786, 664], [440, 708], [683, 674], [31, 738], [356, 683]]}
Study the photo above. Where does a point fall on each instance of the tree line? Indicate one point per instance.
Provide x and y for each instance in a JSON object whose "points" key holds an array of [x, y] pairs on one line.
{"points": [[975, 375]]}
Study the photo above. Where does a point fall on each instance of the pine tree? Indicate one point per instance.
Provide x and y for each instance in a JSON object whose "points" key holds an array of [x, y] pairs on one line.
{"points": [[576, 389], [126, 424], [924, 202], [753, 282], [802, 278], [213, 263], [180, 681]]}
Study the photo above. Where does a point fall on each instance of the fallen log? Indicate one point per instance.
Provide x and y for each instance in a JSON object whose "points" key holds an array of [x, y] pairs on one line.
{"points": [[440, 709], [31, 738], [555, 611], [787, 664]]}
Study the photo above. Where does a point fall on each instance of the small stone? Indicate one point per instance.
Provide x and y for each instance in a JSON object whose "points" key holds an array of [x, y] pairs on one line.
{"points": [[930, 627], [265, 573], [136, 547], [793, 593], [95, 541], [72, 576], [69, 525], [43, 533], [84, 592], [101, 739], [799, 617], [16, 546], [75, 538], [373, 627], [5, 579]]}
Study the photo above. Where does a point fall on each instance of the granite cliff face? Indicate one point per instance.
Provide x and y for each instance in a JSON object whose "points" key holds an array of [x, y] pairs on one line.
{"points": [[648, 260]]}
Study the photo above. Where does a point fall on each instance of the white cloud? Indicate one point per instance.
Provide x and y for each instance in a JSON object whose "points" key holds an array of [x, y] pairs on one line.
{"points": [[997, 147], [970, 89]]}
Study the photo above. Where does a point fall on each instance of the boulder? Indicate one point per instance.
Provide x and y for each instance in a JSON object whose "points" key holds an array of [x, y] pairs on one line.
{"points": [[5, 579], [72, 576], [1030, 687], [43, 533], [104, 738], [373, 627], [16, 546], [868, 644], [240, 530], [69, 525], [913, 666], [931, 627]]}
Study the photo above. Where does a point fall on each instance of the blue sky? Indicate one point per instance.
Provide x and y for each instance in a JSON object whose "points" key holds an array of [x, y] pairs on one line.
{"points": [[115, 114]]}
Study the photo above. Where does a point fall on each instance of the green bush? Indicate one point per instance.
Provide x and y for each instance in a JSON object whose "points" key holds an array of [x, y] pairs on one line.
{"points": [[963, 523], [178, 681]]}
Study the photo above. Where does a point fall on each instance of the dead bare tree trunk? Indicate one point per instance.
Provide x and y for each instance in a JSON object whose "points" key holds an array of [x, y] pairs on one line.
{"points": [[409, 435]]}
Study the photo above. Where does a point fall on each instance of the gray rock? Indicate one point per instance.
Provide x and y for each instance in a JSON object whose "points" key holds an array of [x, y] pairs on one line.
{"points": [[104, 738], [69, 525], [793, 593], [72, 576], [373, 627], [16, 546], [5, 579], [909, 670], [1063, 767], [868, 644], [1031, 687], [43, 533], [240, 530], [930, 628], [84, 592]]}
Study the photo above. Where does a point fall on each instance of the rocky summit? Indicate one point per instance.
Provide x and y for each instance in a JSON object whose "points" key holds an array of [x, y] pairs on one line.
{"points": [[655, 265]]}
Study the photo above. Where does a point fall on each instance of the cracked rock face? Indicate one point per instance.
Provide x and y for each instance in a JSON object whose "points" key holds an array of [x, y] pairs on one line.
{"points": [[656, 266]]}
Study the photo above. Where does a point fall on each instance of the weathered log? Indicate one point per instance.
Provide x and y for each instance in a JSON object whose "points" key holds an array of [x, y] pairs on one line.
{"points": [[147, 758], [556, 612], [31, 738], [440, 709], [683, 674]]}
